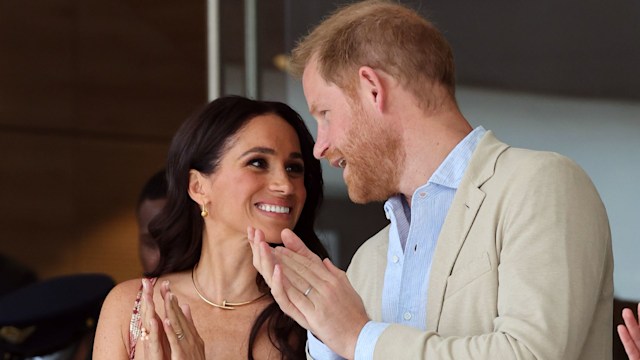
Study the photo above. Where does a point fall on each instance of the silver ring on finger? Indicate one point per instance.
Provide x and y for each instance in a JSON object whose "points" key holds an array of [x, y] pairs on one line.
{"points": [[306, 292]]}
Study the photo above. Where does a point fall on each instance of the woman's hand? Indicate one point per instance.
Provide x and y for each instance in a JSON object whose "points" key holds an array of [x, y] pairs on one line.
{"points": [[153, 335], [181, 333], [175, 337], [630, 334]]}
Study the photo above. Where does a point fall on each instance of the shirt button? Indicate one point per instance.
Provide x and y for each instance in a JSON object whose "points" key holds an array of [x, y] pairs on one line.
{"points": [[423, 194], [407, 316], [395, 259]]}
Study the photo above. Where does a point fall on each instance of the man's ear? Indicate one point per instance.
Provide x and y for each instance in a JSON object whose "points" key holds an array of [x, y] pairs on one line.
{"points": [[372, 88], [196, 186]]}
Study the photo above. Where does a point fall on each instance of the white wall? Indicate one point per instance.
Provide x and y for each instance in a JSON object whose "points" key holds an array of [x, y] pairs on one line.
{"points": [[602, 136]]}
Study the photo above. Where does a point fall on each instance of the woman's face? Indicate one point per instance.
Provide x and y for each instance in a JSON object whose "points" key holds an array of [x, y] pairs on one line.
{"points": [[259, 181]]}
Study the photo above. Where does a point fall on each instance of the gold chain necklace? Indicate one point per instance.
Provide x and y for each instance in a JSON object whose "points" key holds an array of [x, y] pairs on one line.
{"points": [[225, 304]]}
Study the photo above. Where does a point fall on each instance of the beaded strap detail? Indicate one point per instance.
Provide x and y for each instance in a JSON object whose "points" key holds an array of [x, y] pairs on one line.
{"points": [[135, 326]]}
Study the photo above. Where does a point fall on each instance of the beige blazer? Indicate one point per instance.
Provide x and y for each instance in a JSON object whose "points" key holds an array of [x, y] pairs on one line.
{"points": [[523, 268]]}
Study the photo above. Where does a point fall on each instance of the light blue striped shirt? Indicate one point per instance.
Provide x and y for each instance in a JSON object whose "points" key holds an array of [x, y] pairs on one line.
{"points": [[413, 235]]}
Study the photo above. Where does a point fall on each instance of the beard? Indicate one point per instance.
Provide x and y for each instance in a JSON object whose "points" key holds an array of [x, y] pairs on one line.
{"points": [[374, 157]]}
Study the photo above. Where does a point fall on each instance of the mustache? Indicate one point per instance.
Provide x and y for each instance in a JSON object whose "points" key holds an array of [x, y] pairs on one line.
{"points": [[332, 154]]}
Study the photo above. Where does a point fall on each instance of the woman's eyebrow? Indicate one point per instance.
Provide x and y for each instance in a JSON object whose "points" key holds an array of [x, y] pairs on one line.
{"points": [[268, 151], [258, 149]]}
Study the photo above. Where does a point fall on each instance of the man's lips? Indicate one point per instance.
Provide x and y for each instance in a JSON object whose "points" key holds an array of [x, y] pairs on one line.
{"points": [[339, 163]]}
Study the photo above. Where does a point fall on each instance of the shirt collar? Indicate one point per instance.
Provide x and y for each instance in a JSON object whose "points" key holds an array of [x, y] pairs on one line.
{"points": [[450, 171]]}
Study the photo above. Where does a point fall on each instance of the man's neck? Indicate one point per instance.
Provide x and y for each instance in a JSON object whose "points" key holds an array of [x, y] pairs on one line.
{"points": [[427, 141]]}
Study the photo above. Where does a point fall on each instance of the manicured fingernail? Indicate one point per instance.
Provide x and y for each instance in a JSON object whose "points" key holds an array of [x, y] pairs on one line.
{"points": [[276, 270]]}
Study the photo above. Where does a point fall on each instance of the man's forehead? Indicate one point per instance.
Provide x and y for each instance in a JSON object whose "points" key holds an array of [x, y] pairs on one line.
{"points": [[310, 78], [309, 74]]}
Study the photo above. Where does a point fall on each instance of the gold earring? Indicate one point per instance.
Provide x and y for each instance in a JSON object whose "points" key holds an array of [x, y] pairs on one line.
{"points": [[204, 211]]}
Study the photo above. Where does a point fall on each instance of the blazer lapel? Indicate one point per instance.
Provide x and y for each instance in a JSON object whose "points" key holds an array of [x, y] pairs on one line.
{"points": [[380, 267], [461, 216]]}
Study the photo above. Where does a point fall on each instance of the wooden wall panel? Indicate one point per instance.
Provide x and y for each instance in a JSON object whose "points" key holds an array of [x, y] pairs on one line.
{"points": [[91, 93], [136, 68], [37, 63], [70, 207], [37, 215]]}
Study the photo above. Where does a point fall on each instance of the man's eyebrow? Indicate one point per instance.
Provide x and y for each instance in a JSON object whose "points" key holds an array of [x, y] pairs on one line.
{"points": [[312, 109]]}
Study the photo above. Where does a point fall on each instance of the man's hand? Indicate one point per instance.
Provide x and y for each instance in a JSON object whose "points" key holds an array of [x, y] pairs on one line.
{"points": [[314, 292]]}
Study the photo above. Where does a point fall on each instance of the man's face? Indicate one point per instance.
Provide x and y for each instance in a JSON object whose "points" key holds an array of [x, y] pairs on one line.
{"points": [[364, 145], [148, 250]]}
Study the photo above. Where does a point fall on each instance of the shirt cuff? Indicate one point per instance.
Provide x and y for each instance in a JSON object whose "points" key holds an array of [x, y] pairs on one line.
{"points": [[367, 340], [318, 350]]}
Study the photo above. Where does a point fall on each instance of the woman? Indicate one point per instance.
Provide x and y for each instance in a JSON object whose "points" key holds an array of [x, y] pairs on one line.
{"points": [[239, 163], [630, 334]]}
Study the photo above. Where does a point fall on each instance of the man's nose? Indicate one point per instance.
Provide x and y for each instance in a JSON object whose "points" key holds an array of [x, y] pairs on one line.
{"points": [[322, 144]]}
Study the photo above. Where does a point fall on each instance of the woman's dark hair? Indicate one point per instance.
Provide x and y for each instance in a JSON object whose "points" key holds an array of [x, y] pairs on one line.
{"points": [[200, 144]]}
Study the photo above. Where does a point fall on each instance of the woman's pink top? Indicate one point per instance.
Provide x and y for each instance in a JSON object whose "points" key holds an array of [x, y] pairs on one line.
{"points": [[135, 326]]}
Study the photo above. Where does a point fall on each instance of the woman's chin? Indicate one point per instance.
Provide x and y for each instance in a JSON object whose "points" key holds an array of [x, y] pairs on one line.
{"points": [[273, 237]]}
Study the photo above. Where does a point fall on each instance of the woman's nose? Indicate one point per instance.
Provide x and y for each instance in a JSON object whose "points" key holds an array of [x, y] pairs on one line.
{"points": [[281, 182]]}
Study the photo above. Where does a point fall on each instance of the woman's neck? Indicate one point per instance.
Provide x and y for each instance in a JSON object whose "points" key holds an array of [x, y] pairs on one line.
{"points": [[225, 270]]}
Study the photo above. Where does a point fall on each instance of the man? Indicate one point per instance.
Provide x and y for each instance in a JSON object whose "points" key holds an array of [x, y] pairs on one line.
{"points": [[151, 201], [492, 252]]}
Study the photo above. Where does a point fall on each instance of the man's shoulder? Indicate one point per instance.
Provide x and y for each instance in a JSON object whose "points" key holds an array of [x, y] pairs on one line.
{"points": [[527, 162], [497, 157], [513, 154]]}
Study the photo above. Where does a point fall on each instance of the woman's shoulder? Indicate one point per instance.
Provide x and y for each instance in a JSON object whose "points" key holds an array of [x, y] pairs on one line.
{"points": [[120, 300], [112, 333], [125, 290]]}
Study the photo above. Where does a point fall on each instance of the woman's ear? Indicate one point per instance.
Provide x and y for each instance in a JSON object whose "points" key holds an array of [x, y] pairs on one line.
{"points": [[372, 88], [196, 186]]}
